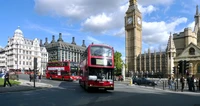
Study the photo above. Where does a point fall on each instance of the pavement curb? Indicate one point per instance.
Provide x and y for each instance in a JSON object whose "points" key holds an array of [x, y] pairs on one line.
{"points": [[25, 86]]}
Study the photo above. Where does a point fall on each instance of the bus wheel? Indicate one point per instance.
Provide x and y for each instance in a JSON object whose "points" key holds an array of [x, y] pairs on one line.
{"points": [[63, 79]]}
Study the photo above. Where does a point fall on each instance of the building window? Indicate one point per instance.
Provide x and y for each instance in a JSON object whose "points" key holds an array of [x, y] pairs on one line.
{"points": [[198, 68], [191, 51]]}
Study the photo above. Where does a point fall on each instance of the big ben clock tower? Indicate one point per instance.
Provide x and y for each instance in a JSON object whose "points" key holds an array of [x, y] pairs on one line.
{"points": [[133, 28]]}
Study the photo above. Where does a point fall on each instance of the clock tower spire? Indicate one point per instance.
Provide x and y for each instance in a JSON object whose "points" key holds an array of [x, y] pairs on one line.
{"points": [[133, 35]]}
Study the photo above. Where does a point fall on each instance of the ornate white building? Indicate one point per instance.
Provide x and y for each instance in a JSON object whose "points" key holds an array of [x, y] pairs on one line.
{"points": [[2, 58], [20, 53]]}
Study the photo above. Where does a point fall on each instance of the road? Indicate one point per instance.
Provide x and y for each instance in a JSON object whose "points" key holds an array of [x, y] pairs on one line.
{"points": [[71, 94]]}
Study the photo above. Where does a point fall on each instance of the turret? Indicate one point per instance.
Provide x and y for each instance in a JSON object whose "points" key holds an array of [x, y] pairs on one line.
{"points": [[83, 43], [73, 41], [60, 38], [53, 39], [46, 41]]}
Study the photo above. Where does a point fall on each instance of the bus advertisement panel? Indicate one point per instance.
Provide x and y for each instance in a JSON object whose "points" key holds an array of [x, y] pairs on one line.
{"points": [[97, 67]]}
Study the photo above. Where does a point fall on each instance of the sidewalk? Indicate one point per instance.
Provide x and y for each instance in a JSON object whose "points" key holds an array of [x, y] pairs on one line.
{"points": [[24, 86], [166, 89]]}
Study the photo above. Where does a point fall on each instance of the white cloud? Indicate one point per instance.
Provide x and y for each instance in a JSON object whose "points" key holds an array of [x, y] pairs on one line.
{"points": [[155, 2], [91, 39], [158, 32], [97, 23], [46, 29], [78, 9], [147, 10], [191, 25]]}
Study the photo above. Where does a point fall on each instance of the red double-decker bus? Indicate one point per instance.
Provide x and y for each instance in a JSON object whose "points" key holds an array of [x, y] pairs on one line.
{"points": [[97, 67], [63, 70]]}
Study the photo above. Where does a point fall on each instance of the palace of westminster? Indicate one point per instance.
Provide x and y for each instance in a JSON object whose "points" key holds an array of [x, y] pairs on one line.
{"points": [[182, 46]]}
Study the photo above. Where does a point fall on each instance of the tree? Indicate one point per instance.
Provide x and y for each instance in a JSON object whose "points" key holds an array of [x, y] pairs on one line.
{"points": [[118, 62]]}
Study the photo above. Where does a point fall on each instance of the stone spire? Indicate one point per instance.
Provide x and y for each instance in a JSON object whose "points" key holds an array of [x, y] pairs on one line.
{"points": [[60, 38], [170, 44], [83, 44], [53, 39], [133, 2], [197, 10], [73, 41]]}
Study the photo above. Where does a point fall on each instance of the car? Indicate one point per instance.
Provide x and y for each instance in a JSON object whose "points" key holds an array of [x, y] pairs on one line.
{"points": [[144, 81], [2, 76]]}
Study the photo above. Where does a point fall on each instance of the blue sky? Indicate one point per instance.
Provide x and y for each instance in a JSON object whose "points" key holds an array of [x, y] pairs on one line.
{"points": [[98, 21]]}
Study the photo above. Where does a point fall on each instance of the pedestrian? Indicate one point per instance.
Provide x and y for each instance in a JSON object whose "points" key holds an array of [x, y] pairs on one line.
{"points": [[170, 83], [6, 79], [30, 77], [192, 83], [182, 80], [199, 83], [39, 77]]}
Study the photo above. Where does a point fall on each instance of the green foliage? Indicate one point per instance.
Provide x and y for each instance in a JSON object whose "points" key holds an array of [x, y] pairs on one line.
{"points": [[11, 81], [118, 62]]}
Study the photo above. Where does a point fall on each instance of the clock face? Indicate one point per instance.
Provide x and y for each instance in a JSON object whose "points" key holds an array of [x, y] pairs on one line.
{"points": [[139, 20], [129, 20]]}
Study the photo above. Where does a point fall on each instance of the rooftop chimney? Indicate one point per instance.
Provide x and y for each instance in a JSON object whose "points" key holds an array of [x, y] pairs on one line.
{"points": [[41, 42], [73, 41], [83, 44]]}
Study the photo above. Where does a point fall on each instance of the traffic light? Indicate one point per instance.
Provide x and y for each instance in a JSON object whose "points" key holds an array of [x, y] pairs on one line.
{"points": [[180, 66], [186, 66], [174, 70]]}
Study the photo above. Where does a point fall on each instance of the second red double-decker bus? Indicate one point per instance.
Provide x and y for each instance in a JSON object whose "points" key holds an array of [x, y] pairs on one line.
{"points": [[97, 67], [63, 70]]}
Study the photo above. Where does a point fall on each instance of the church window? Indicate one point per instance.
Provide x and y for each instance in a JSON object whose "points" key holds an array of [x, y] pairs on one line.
{"points": [[191, 51]]}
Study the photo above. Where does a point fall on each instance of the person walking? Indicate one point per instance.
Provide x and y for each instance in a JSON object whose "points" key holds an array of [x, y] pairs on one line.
{"points": [[30, 77], [192, 83], [6, 79], [182, 80], [39, 77], [170, 83]]}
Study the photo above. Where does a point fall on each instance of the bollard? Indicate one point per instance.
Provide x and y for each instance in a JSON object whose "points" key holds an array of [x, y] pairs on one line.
{"points": [[163, 85], [131, 82]]}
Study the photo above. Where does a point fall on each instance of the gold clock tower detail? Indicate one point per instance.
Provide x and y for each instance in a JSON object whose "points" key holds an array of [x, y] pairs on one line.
{"points": [[133, 29]]}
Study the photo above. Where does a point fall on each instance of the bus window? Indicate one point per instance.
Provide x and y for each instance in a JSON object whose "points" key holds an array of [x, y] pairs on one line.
{"points": [[65, 64]]}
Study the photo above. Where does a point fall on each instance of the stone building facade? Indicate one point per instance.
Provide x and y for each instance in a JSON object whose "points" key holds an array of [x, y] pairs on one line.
{"points": [[187, 45], [61, 51], [2, 58], [20, 52]]}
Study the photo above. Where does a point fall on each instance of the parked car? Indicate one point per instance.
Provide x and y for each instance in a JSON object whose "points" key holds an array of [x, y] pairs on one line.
{"points": [[2, 75], [136, 80], [144, 81]]}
